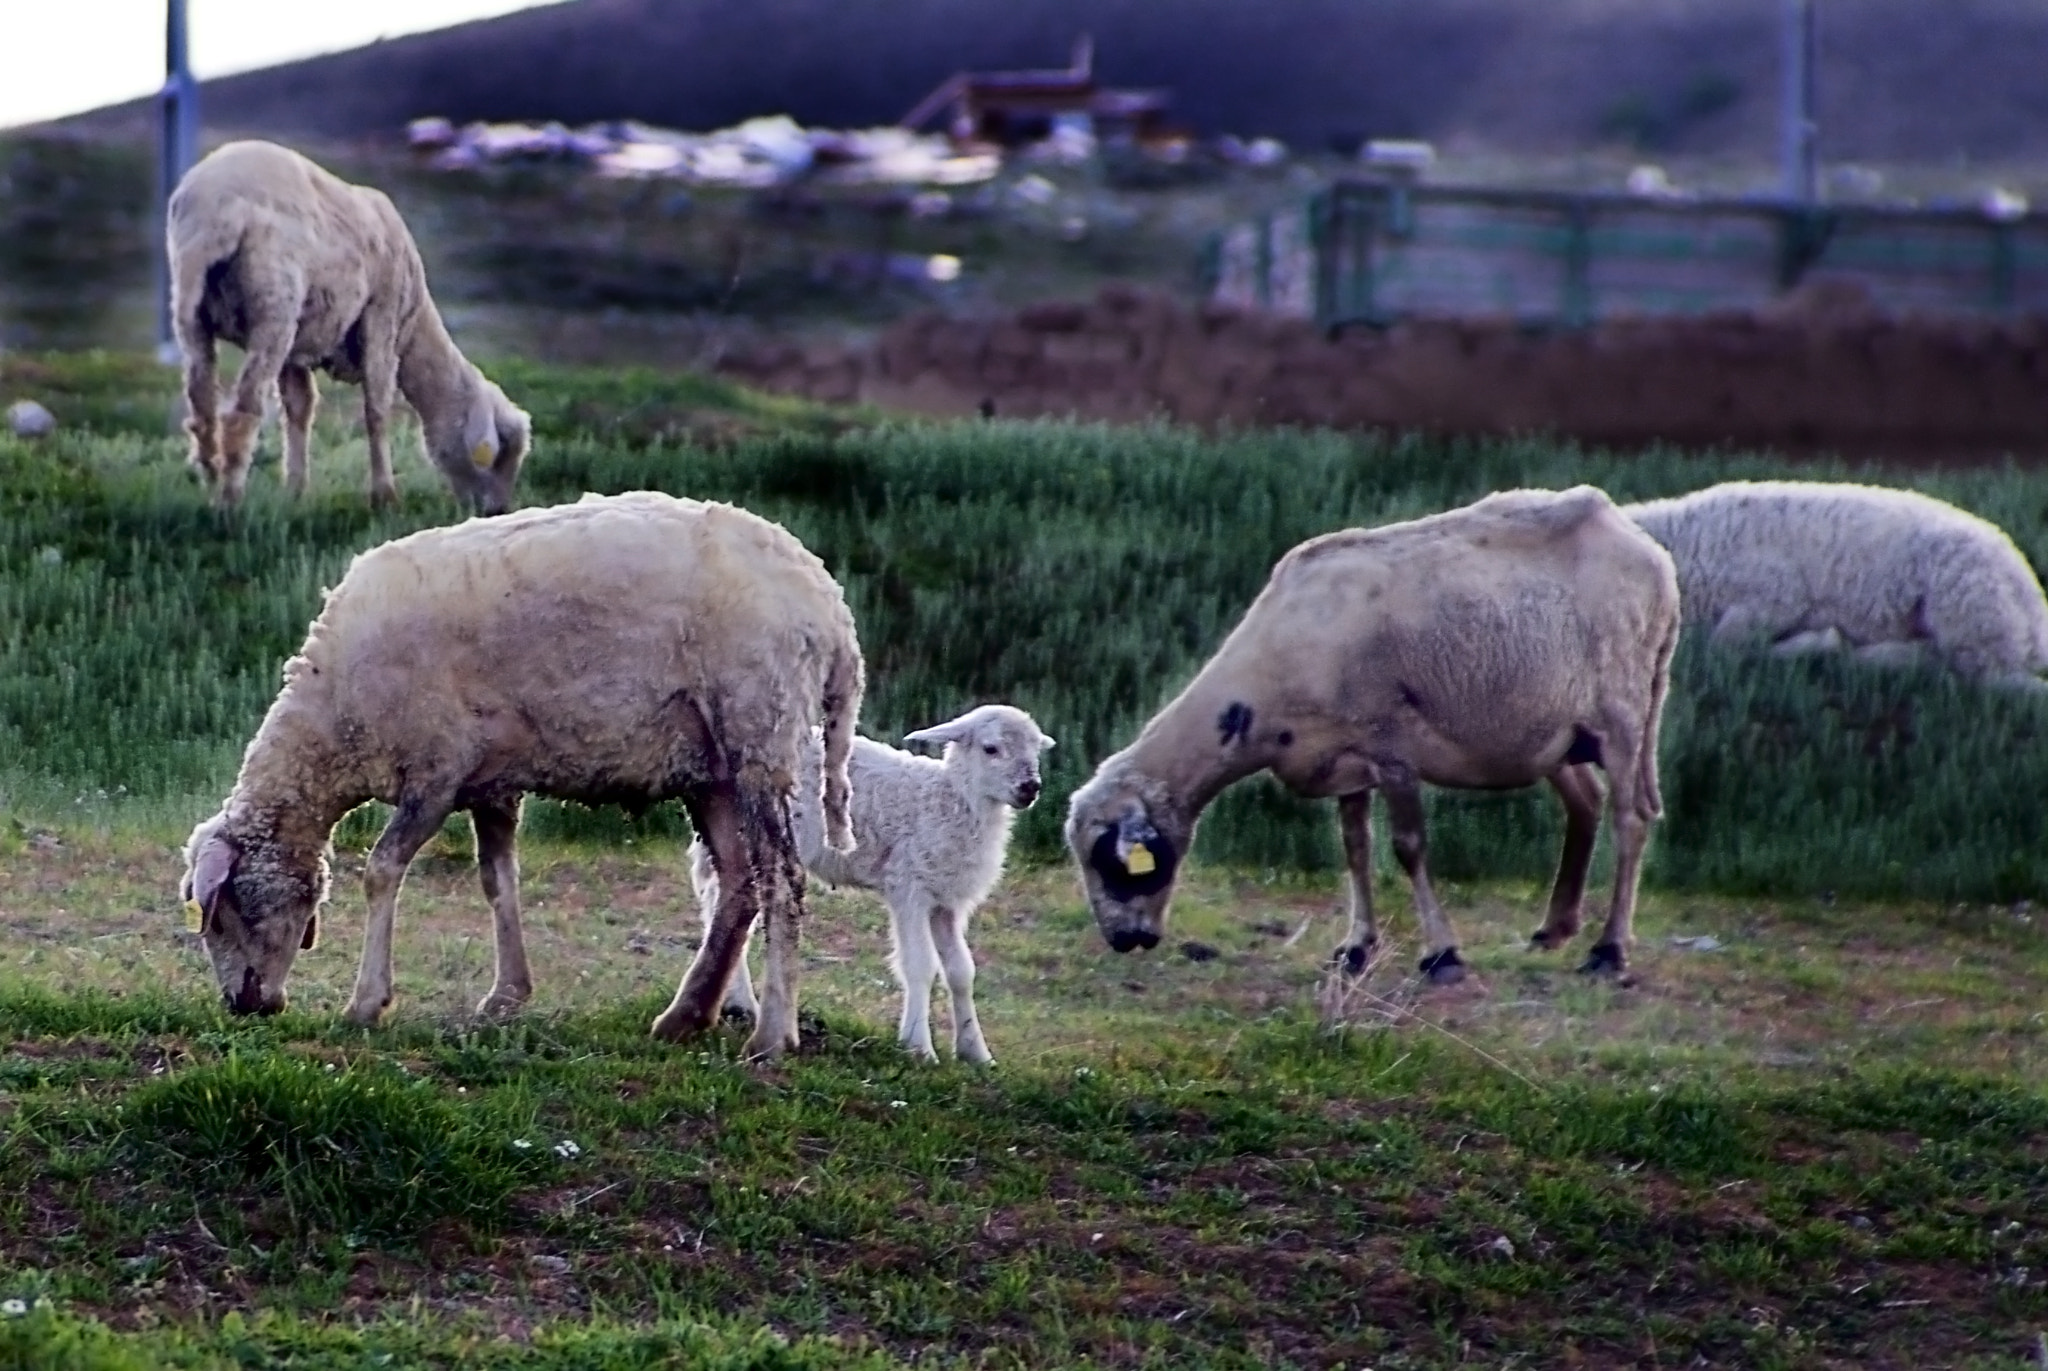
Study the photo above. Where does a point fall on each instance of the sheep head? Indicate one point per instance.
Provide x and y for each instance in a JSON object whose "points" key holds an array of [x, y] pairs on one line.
{"points": [[995, 747], [253, 914], [1128, 839], [481, 457]]}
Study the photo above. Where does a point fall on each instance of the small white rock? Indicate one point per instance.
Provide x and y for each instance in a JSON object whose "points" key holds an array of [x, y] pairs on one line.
{"points": [[27, 419]]}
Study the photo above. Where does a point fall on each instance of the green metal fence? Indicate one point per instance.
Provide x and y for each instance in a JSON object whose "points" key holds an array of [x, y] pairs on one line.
{"points": [[1372, 252]]}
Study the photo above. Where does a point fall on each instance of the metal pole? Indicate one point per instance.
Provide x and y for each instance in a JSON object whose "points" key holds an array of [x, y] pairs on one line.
{"points": [[178, 108], [1799, 132]]}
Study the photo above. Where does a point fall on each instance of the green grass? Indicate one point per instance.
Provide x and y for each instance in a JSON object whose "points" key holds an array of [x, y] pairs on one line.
{"points": [[1079, 572], [1820, 1145]]}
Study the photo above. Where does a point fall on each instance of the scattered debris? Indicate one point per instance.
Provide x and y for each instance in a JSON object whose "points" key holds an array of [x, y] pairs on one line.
{"points": [[1702, 942], [772, 150], [27, 419], [1502, 1247]]}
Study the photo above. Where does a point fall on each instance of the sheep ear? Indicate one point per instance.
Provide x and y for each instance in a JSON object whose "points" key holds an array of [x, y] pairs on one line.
{"points": [[312, 934], [515, 431], [480, 433], [1045, 742], [949, 732], [212, 865]]}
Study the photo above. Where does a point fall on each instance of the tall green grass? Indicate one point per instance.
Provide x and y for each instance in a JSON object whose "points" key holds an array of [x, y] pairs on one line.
{"points": [[1081, 572]]}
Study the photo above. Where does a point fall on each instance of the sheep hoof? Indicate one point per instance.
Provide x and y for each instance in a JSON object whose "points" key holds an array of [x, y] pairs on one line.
{"points": [[1548, 939], [673, 1023], [764, 1047], [736, 1013], [1444, 968], [1604, 959], [499, 1005], [1354, 958], [364, 1013]]}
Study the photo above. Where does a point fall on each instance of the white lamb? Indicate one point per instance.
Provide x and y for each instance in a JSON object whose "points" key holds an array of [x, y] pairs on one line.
{"points": [[1894, 575], [930, 838], [305, 271], [1524, 638], [633, 649]]}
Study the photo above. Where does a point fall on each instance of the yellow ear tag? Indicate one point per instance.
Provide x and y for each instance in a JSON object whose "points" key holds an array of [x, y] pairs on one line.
{"points": [[195, 917], [1140, 862], [481, 454]]}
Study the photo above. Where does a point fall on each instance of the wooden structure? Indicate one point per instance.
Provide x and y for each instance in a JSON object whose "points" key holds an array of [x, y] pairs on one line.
{"points": [[1011, 107]]}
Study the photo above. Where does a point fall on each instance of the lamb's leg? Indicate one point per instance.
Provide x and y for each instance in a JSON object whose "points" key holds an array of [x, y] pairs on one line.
{"points": [[497, 867], [949, 931], [773, 846], [270, 346], [913, 924], [1440, 960], [300, 397], [1579, 788], [380, 394], [739, 996], [716, 815], [416, 820], [1354, 820]]}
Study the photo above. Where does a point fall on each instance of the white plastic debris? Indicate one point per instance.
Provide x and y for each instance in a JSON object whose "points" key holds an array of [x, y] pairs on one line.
{"points": [[1703, 942]]}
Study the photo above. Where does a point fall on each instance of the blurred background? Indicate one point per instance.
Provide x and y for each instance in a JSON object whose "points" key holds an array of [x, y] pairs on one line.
{"points": [[770, 189]]}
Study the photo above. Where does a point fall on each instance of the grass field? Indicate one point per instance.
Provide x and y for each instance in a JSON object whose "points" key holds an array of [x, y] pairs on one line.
{"points": [[1819, 1138]]}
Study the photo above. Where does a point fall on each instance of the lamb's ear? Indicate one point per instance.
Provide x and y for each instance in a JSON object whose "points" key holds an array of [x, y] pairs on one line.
{"points": [[1045, 742], [212, 865], [312, 934], [951, 731]]}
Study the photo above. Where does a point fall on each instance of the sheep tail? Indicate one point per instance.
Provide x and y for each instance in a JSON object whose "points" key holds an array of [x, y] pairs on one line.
{"points": [[1660, 691], [843, 686]]}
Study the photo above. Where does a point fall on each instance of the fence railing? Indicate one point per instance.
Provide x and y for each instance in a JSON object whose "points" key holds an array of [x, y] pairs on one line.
{"points": [[1372, 252]]}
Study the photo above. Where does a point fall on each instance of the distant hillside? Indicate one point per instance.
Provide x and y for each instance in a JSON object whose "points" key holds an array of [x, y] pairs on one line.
{"points": [[1901, 80]]}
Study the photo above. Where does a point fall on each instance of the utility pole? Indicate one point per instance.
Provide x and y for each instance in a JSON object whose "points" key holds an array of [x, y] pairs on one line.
{"points": [[178, 110], [1798, 132]]}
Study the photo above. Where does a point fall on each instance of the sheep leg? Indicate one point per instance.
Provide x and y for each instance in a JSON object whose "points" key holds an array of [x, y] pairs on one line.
{"points": [[380, 393], [773, 846], [497, 867], [417, 820], [1579, 788], [1411, 848], [300, 397], [1354, 820], [914, 957], [270, 346], [949, 931], [716, 816], [1629, 813], [739, 996], [202, 399]]}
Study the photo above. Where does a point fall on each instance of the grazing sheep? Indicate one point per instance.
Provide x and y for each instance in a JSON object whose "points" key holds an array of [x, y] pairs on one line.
{"points": [[633, 648], [1526, 637], [929, 837], [305, 271], [1891, 574]]}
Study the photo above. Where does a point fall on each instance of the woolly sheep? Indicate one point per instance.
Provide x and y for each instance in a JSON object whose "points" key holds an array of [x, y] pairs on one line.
{"points": [[305, 271], [630, 648], [929, 837], [1525, 637], [1891, 574]]}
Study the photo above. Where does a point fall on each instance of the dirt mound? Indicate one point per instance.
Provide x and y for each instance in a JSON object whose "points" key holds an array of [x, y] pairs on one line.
{"points": [[1823, 372]]}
